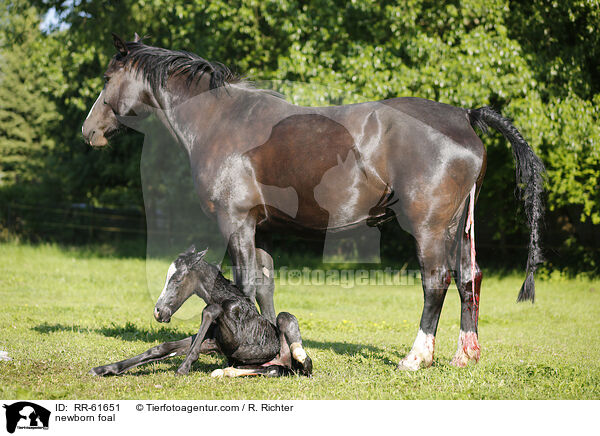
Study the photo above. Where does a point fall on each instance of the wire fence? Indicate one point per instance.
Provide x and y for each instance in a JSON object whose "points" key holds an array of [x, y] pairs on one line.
{"points": [[83, 223], [73, 222]]}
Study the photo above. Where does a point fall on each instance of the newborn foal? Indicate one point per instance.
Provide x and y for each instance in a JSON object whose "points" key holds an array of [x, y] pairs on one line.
{"points": [[230, 325]]}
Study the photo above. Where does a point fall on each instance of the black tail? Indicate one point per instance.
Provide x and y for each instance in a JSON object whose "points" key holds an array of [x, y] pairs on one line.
{"points": [[530, 173]]}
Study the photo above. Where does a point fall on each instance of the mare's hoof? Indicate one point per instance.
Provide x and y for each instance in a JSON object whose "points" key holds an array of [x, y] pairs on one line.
{"points": [[409, 363]]}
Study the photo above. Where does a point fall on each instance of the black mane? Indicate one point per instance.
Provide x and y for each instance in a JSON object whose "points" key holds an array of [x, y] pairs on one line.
{"points": [[158, 64]]}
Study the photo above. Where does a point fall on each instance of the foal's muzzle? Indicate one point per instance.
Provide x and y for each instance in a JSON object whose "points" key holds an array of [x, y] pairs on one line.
{"points": [[162, 315]]}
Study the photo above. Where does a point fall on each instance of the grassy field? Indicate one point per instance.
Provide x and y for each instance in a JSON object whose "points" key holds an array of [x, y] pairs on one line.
{"points": [[65, 311]]}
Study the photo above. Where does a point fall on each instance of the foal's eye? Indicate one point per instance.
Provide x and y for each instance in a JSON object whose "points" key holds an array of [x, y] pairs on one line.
{"points": [[106, 79]]}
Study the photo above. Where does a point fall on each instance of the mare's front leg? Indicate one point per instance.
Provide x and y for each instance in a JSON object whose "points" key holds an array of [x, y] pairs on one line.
{"points": [[242, 250], [436, 278], [209, 315], [265, 284]]}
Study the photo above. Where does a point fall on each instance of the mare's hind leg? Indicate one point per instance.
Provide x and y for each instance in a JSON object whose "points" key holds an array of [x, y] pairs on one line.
{"points": [[436, 277], [291, 352], [468, 345]]}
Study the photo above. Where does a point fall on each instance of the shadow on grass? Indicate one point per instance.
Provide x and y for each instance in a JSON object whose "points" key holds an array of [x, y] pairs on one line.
{"points": [[342, 347], [130, 332]]}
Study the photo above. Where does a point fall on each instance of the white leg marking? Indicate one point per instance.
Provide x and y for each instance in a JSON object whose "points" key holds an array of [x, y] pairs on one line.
{"points": [[232, 372], [467, 349], [421, 353], [217, 373], [298, 352]]}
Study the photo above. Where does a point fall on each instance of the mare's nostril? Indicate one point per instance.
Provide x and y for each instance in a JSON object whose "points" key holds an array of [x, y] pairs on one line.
{"points": [[156, 314]]}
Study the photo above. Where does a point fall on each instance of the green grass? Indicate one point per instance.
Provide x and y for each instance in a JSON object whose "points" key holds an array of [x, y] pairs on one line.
{"points": [[63, 312]]}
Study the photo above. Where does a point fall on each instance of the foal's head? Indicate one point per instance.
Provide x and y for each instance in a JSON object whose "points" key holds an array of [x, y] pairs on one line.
{"points": [[184, 278]]}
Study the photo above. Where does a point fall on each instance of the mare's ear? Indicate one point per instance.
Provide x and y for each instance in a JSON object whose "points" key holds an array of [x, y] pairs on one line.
{"points": [[120, 45], [136, 37], [191, 249]]}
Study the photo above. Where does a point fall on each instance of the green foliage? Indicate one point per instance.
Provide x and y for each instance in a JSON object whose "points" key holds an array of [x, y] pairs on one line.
{"points": [[28, 77], [535, 61]]}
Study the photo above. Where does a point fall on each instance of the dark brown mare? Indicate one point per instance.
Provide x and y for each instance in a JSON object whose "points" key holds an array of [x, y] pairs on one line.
{"points": [[260, 163]]}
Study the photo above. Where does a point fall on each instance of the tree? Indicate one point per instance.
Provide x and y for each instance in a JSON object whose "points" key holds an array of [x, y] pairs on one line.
{"points": [[27, 79]]}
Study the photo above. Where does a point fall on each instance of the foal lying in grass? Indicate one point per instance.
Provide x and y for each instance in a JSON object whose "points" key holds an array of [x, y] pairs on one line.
{"points": [[231, 325]]}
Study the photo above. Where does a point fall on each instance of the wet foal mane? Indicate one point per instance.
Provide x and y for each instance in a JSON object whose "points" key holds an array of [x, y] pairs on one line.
{"points": [[157, 65]]}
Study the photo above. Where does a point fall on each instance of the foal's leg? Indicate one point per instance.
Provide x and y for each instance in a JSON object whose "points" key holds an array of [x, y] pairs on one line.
{"points": [[209, 315], [159, 352], [291, 343], [265, 284], [265, 371], [468, 345], [436, 277], [154, 354]]}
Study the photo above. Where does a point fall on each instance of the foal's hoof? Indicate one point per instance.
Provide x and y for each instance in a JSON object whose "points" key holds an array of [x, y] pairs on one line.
{"points": [[217, 373], [301, 362], [100, 371], [182, 371], [306, 367]]}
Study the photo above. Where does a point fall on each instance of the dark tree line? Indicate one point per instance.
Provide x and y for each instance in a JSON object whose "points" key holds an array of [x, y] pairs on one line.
{"points": [[535, 61]]}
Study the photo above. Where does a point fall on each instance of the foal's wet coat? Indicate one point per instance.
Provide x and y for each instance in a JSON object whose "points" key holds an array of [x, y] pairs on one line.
{"points": [[231, 325]]}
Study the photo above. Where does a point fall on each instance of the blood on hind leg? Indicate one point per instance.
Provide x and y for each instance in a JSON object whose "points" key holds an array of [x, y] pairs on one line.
{"points": [[468, 349]]}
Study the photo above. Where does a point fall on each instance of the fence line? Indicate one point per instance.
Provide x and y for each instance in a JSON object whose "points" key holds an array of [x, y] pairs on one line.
{"points": [[135, 217]]}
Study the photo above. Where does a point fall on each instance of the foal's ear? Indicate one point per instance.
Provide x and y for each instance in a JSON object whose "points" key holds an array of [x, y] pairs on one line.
{"points": [[136, 37], [198, 256], [120, 45]]}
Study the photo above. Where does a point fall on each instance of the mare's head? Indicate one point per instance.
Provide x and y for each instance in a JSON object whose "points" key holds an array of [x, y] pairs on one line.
{"points": [[136, 79], [122, 91], [184, 278]]}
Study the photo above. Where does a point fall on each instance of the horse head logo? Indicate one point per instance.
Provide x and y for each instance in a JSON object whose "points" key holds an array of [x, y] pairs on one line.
{"points": [[26, 415]]}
